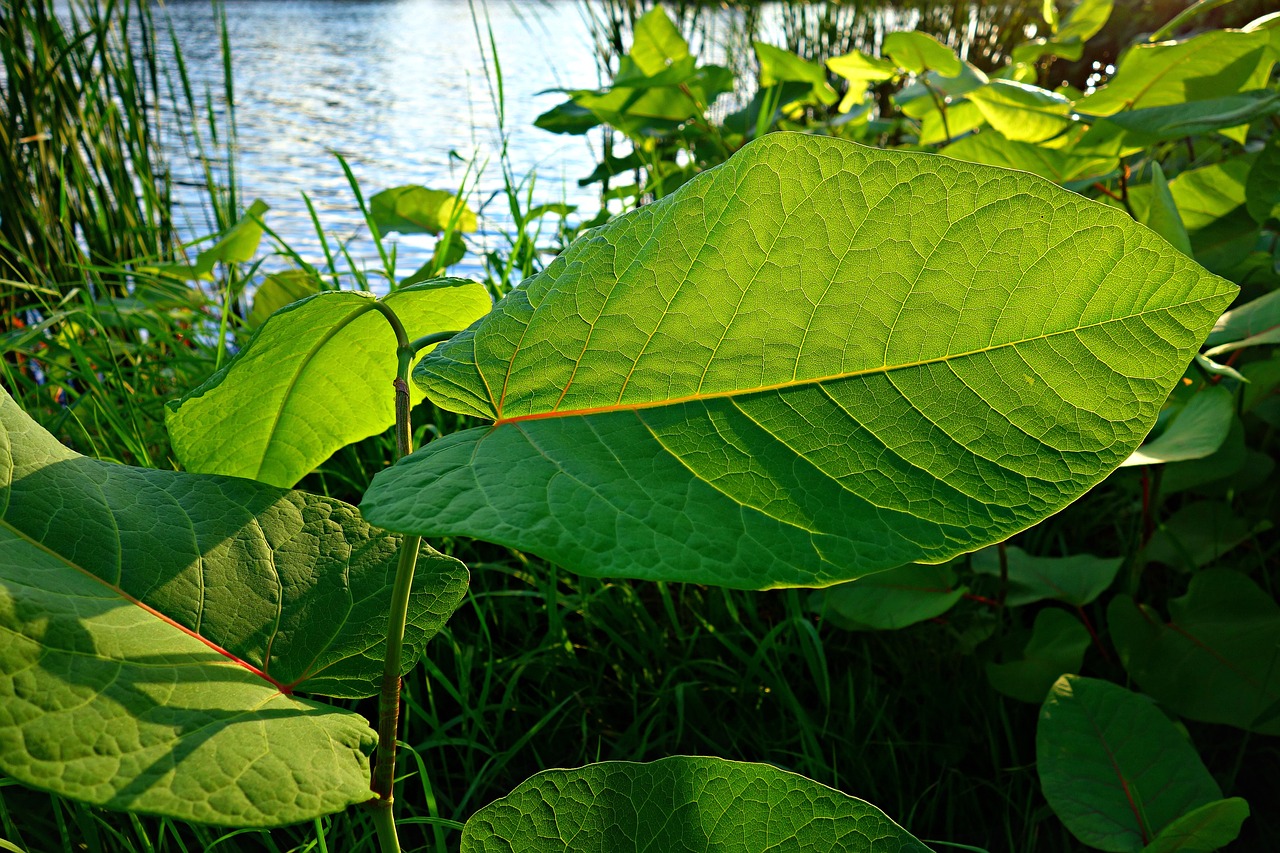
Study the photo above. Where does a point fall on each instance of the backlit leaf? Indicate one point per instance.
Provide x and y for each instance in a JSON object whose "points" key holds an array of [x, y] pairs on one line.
{"points": [[1115, 770], [814, 362], [919, 52], [156, 624], [1022, 112], [418, 210], [316, 376], [278, 290], [681, 803], [1217, 659], [1196, 430]]}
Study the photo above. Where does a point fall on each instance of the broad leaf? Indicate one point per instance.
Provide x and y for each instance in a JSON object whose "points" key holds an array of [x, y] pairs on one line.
{"points": [[418, 210], [1021, 112], [237, 245], [920, 52], [1084, 20], [1156, 124], [1197, 534], [681, 803], [812, 363], [316, 376], [889, 600], [1058, 165], [278, 290], [1211, 65], [1115, 770], [1196, 430], [1057, 645], [809, 364], [1252, 318], [1218, 657], [156, 625], [783, 66], [1075, 580], [1203, 830], [1262, 191]]}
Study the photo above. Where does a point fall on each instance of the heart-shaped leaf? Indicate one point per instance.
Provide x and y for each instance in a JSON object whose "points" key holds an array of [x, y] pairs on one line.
{"points": [[812, 363], [1057, 645], [1115, 770], [156, 625], [1217, 659], [315, 376], [681, 803]]}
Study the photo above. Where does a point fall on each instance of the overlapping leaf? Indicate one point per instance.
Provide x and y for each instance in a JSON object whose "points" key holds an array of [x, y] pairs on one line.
{"points": [[155, 625], [315, 377], [681, 803], [812, 363], [1115, 769]]}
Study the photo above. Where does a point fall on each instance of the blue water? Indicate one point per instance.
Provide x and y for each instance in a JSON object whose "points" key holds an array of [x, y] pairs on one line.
{"points": [[400, 89]]}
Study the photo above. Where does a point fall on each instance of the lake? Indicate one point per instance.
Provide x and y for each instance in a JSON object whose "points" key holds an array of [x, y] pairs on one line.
{"points": [[395, 86]]}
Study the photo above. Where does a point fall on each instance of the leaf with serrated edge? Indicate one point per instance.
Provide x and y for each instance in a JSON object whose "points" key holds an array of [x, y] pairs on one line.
{"points": [[681, 803], [811, 363], [316, 376], [1115, 770], [155, 625]]}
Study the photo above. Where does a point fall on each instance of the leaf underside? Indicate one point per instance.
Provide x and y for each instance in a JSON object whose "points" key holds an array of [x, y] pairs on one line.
{"points": [[154, 623], [681, 804], [814, 362]]}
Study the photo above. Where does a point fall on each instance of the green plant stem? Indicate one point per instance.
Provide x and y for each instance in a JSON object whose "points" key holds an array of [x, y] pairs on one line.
{"points": [[384, 768]]}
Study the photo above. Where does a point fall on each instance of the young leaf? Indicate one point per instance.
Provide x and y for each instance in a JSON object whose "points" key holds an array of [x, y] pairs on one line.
{"points": [[1114, 769], [1203, 830], [278, 290], [681, 803], [812, 363], [418, 210], [1057, 645], [1075, 580], [1217, 659], [1021, 112], [887, 601], [157, 623], [920, 52], [316, 376], [1197, 429]]}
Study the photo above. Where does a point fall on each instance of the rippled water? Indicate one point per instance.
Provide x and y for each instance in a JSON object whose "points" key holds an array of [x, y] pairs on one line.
{"points": [[394, 86]]}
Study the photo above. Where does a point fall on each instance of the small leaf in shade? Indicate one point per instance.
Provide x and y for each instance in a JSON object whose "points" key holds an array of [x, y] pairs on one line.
{"points": [[1114, 769], [1057, 645], [278, 290], [417, 210], [889, 600], [155, 625], [811, 363], [1245, 321], [1262, 190], [1196, 430], [1162, 213], [1075, 580], [920, 52], [1203, 830], [1197, 534], [1217, 659], [682, 803], [314, 377]]}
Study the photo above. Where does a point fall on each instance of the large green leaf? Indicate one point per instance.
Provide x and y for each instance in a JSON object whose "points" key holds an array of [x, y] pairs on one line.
{"points": [[1217, 659], [683, 803], [1211, 65], [315, 376], [814, 362], [1021, 112], [156, 624], [417, 210], [1115, 770]]}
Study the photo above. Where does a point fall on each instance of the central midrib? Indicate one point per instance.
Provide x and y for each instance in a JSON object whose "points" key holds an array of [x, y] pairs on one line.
{"points": [[818, 380]]}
